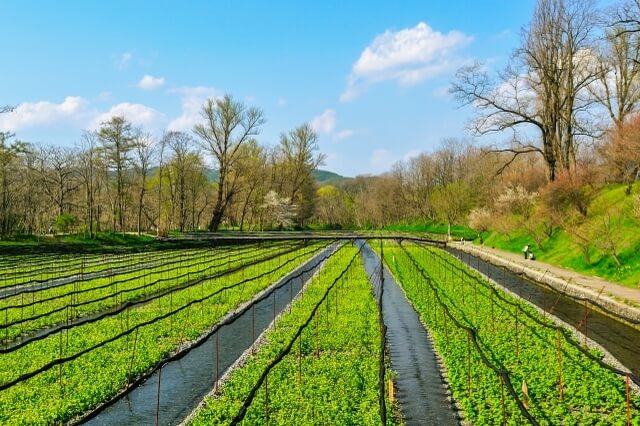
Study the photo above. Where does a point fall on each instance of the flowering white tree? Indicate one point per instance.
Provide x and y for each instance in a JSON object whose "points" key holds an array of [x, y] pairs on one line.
{"points": [[278, 211], [480, 219], [516, 200]]}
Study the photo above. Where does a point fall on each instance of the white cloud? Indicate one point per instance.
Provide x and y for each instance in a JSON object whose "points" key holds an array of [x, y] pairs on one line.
{"points": [[324, 123], [76, 112], [281, 102], [408, 56], [34, 114], [137, 114], [193, 99], [345, 134], [150, 82], [123, 61]]}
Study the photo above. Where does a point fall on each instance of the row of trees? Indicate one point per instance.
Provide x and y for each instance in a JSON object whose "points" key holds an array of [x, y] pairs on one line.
{"points": [[441, 186], [120, 178], [575, 75], [568, 103]]}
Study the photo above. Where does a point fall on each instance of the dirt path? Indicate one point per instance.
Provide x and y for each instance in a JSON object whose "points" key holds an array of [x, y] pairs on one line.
{"points": [[630, 296]]}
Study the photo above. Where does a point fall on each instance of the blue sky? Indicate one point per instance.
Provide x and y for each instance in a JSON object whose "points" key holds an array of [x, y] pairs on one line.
{"points": [[370, 76]]}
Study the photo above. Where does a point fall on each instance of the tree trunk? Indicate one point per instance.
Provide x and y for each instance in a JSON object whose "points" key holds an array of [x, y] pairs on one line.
{"points": [[244, 207], [218, 210]]}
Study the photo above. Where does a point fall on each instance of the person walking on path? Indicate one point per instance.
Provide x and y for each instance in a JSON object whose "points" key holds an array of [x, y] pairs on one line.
{"points": [[525, 250]]}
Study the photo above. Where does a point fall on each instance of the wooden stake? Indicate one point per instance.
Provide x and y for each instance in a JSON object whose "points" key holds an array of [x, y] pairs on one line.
{"points": [[628, 400]]}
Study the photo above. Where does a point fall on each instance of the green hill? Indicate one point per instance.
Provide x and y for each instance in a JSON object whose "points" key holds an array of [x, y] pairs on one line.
{"points": [[611, 220], [325, 177]]}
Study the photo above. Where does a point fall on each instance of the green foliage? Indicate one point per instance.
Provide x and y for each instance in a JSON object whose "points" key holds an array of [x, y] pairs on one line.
{"points": [[65, 222]]}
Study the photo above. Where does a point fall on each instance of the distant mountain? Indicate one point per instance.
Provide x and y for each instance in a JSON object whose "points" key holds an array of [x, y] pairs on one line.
{"points": [[323, 177]]}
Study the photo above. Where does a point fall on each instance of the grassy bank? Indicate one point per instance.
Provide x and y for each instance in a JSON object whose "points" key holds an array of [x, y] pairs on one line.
{"points": [[611, 205]]}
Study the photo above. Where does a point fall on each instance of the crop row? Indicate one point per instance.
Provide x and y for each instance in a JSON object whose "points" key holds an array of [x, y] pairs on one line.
{"points": [[551, 380], [17, 274], [65, 374], [17, 270], [318, 365], [34, 310]]}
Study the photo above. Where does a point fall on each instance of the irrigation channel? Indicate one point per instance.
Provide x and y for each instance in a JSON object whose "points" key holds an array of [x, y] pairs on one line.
{"points": [[619, 339], [173, 391], [421, 391]]}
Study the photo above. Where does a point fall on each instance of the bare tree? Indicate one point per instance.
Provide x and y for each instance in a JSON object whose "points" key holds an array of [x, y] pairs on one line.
{"points": [[57, 173], [88, 166], [543, 88], [420, 181], [617, 88], [144, 152], [180, 145], [627, 17], [227, 125], [299, 160], [252, 169], [620, 149], [9, 158], [117, 137], [160, 229], [198, 187], [451, 201]]}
